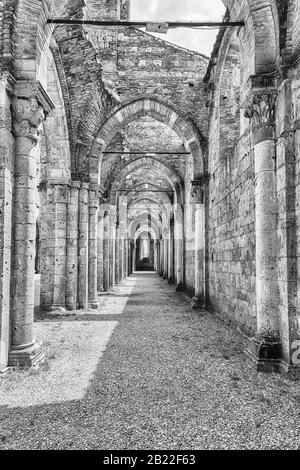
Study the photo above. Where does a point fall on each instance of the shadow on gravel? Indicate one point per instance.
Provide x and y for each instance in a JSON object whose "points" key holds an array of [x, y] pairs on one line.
{"points": [[168, 379]]}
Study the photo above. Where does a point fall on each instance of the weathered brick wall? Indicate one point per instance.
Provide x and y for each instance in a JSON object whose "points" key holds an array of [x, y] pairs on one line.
{"points": [[148, 65], [162, 69]]}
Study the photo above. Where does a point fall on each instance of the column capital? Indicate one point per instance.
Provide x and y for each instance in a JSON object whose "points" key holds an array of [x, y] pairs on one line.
{"points": [[260, 106], [198, 190], [30, 89]]}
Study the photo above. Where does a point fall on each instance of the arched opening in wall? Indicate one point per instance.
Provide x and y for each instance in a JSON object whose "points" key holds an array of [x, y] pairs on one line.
{"points": [[145, 252], [53, 179]]}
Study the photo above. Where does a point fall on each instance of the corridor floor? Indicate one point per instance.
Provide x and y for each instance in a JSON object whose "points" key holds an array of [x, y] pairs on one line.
{"points": [[145, 372]]}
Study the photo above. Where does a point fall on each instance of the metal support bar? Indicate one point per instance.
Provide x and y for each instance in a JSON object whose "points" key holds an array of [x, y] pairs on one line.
{"points": [[145, 191], [146, 153], [171, 24]]}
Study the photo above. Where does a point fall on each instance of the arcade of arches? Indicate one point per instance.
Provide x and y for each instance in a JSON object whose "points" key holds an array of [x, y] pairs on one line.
{"points": [[122, 152]]}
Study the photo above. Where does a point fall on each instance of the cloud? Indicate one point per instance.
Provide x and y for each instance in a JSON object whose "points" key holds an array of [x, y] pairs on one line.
{"points": [[187, 10]]}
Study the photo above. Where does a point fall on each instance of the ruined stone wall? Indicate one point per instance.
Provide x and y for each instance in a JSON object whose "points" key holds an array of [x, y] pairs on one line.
{"points": [[140, 64], [288, 194], [148, 65], [231, 238]]}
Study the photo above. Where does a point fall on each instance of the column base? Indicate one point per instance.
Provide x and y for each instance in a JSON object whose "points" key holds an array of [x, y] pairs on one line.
{"points": [[197, 303], [94, 304], [290, 371], [31, 356], [264, 353], [57, 309]]}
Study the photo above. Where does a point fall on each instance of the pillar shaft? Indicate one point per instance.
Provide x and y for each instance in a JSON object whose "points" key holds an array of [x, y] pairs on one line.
{"points": [[266, 239], [100, 251], [178, 227], [72, 248], [117, 257], [92, 249], [28, 115], [199, 239], [112, 246], [106, 230], [6, 178], [83, 245], [60, 245]]}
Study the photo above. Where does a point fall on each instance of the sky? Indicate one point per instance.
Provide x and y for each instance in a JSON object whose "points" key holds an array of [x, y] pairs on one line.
{"points": [[183, 10]]}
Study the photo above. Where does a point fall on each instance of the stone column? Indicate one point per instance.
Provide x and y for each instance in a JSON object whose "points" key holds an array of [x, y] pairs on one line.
{"points": [[6, 178], [117, 256], [265, 349], [60, 199], [133, 256], [130, 256], [161, 264], [106, 230], [165, 271], [83, 245], [198, 195], [28, 108], [72, 247], [100, 249], [121, 258], [125, 272], [92, 249], [112, 245], [171, 250], [178, 228]]}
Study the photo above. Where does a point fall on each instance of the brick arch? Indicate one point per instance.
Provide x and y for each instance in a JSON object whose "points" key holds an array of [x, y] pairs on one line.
{"points": [[150, 230], [158, 109], [162, 199], [133, 227], [170, 174], [138, 185], [261, 17], [33, 35]]}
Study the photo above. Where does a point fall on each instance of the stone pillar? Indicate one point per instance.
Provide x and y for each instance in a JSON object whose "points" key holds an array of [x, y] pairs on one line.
{"points": [[126, 258], [112, 245], [198, 195], [161, 267], [6, 178], [83, 245], [130, 256], [178, 228], [72, 247], [133, 256], [171, 251], [100, 250], [165, 269], [121, 258], [92, 249], [264, 349], [60, 199], [106, 230], [117, 256], [28, 108]]}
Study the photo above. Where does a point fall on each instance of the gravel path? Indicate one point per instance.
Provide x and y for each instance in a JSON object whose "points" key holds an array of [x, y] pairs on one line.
{"points": [[168, 379]]}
